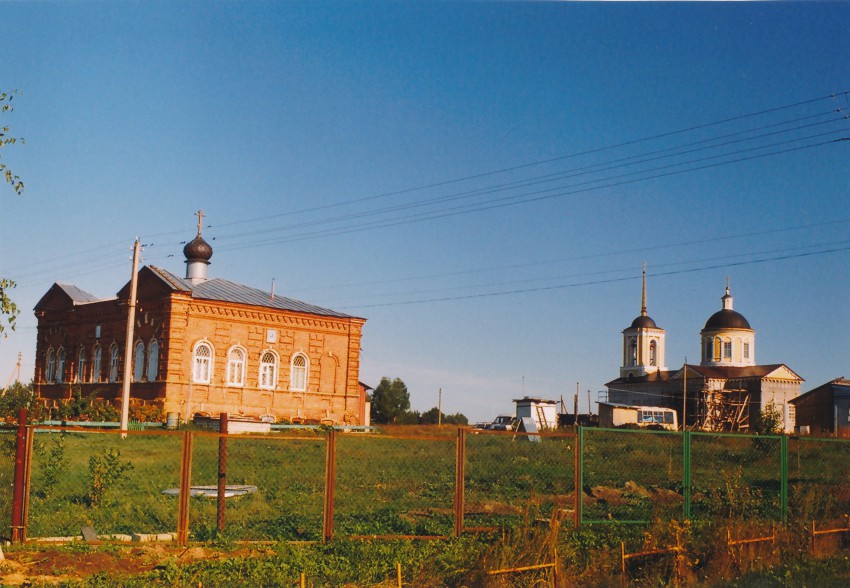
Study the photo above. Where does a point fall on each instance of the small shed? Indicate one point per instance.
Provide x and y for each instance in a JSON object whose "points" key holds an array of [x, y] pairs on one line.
{"points": [[825, 409], [543, 412]]}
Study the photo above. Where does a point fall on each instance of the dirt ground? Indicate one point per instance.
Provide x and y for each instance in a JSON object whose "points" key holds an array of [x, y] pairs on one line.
{"points": [[51, 565]]}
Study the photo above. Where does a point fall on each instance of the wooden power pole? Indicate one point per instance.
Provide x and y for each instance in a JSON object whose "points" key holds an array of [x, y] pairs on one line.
{"points": [[128, 347]]}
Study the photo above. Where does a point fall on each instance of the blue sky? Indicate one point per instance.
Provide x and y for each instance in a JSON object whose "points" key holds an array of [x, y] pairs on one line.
{"points": [[481, 181]]}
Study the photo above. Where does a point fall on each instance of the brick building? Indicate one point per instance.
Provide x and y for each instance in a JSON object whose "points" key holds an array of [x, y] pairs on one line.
{"points": [[203, 345]]}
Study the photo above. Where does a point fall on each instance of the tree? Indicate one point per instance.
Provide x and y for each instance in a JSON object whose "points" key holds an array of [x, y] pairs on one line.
{"points": [[5, 139], [431, 416], [390, 401], [8, 309]]}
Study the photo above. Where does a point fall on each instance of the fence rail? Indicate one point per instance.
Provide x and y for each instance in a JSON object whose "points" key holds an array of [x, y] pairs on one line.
{"points": [[315, 485]]}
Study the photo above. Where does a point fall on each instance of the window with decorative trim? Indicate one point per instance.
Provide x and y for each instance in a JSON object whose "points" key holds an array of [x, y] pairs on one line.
{"points": [[268, 370], [746, 351], [202, 363], [653, 353], [81, 366], [50, 368], [138, 361], [60, 365], [113, 363], [95, 365], [298, 372], [727, 350], [236, 367], [153, 361], [633, 355]]}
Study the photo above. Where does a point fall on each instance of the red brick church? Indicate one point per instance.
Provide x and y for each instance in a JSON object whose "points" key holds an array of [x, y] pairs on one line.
{"points": [[203, 345]]}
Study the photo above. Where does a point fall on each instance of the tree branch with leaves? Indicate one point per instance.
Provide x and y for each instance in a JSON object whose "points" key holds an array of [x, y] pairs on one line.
{"points": [[8, 309]]}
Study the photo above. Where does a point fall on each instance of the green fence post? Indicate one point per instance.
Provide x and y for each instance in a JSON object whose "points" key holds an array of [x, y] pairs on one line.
{"points": [[783, 472], [579, 483], [686, 474]]}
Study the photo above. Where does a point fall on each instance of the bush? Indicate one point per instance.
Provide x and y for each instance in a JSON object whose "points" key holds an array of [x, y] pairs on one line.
{"points": [[147, 413], [89, 408], [105, 470], [16, 397]]}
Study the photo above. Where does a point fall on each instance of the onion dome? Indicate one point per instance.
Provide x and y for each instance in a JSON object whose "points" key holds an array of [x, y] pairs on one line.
{"points": [[198, 250]]}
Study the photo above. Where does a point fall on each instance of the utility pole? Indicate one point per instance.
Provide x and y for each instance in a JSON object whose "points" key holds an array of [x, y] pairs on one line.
{"points": [[128, 347], [575, 404], [685, 396], [440, 407]]}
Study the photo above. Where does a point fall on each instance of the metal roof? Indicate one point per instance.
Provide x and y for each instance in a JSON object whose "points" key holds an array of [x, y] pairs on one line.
{"points": [[227, 291], [77, 295]]}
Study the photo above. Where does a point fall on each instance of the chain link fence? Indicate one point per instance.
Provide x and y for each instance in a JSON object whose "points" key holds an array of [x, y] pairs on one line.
{"points": [[513, 478], [310, 486], [99, 479]]}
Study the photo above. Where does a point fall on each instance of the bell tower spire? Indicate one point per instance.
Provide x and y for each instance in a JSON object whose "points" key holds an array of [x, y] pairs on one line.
{"points": [[643, 342]]}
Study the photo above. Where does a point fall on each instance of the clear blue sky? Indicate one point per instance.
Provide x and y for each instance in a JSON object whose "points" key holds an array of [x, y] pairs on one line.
{"points": [[322, 140]]}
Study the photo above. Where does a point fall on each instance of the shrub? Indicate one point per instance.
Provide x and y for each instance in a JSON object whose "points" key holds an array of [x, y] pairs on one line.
{"points": [[105, 470], [88, 408]]}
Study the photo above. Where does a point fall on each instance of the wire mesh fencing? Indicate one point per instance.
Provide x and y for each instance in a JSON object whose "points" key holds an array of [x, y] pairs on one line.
{"points": [[736, 477], [311, 486], [400, 486], [100, 480], [819, 480], [7, 476], [631, 475], [510, 478]]}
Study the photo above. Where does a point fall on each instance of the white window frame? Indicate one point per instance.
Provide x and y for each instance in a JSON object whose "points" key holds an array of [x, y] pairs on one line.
{"points": [[152, 366], [299, 374], [202, 365], [138, 361], [236, 361], [50, 367], [60, 365], [97, 358], [113, 364], [268, 370], [81, 366]]}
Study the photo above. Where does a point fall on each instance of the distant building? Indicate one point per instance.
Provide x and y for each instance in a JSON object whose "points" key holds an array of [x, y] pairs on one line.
{"points": [[727, 390], [825, 409], [203, 345], [543, 412]]}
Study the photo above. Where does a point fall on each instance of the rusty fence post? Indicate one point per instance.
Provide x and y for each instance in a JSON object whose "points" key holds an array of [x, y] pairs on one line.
{"points": [[222, 469], [185, 490], [20, 483], [578, 482], [460, 477], [330, 488]]}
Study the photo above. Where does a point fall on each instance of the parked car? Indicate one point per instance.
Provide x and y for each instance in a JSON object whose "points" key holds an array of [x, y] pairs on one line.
{"points": [[502, 422]]}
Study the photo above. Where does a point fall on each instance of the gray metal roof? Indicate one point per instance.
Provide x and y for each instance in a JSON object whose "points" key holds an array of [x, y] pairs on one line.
{"points": [[227, 291], [76, 294]]}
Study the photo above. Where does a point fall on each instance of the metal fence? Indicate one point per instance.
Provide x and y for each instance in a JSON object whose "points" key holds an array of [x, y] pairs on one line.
{"points": [[314, 485]]}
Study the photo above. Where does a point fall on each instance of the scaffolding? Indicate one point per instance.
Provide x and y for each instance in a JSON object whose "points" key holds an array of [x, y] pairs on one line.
{"points": [[724, 410]]}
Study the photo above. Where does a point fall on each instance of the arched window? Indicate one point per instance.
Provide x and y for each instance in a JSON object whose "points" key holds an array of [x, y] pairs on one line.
{"points": [[153, 361], [298, 373], [95, 366], [653, 350], [139, 362], [81, 366], [727, 349], [113, 363], [268, 370], [633, 353], [60, 365], [746, 351], [202, 364], [236, 367], [50, 371], [707, 352]]}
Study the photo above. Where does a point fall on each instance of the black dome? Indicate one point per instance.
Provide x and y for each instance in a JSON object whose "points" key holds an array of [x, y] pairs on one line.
{"points": [[198, 250], [643, 322], [726, 319]]}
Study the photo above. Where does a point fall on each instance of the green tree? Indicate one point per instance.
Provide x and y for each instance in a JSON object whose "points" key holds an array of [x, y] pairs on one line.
{"points": [[16, 397], [431, 416], [8, 309], [390, 401], [6, 139]]}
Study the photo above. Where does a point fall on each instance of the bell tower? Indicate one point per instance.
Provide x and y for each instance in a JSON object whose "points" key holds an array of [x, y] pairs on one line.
{"points": [[643, 343]]}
